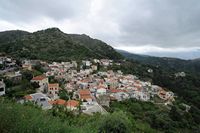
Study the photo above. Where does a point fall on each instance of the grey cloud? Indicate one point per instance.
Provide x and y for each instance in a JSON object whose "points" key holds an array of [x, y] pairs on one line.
{"points": [[164, 23], [28, 10], [161, 23], [167, 23]]}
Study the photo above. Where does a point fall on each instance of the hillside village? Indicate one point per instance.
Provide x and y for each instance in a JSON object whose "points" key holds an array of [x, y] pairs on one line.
{"points": [[88, 85]]}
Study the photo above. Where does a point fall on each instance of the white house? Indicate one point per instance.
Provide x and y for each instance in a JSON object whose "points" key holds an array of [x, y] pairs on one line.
{"points": [[120, 96], [96, 61], [101, 91], [140, 96], [2, 87], [87, 63], [42, 80], [39, 99], [94, 67], [105, 62]]}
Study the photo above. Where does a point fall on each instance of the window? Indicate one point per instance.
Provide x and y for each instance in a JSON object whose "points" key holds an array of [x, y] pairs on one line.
{"points": [[42, 99], [1, 89]]}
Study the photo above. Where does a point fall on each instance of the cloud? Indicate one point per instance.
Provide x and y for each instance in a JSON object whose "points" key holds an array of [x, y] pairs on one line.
{"points": [[146, 49], [139, 24], [29, 10]]}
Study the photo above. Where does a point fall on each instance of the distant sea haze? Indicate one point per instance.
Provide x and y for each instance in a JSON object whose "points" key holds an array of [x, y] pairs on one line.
{"points": [[182, 55], [186, 55]]}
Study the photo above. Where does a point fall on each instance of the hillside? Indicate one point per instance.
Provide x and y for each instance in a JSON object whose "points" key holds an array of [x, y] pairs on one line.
{"points": [[164, 70], [53, 44], [166, 63]]}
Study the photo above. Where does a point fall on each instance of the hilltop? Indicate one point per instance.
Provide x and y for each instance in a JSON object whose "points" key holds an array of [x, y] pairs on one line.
{"points": [[54, 45]]}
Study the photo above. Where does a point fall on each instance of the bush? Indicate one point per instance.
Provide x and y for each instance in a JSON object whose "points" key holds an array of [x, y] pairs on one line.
{"points": [[116, 122]]}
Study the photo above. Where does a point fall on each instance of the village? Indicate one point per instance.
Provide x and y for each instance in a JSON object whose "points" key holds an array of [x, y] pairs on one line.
{"points": [[88, 88]]}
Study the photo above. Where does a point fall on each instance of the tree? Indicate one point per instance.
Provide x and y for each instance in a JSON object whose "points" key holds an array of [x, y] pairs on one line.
{"points": [[116, 122], [174, 114], [63, 95], [35, 85], [27, 75]]}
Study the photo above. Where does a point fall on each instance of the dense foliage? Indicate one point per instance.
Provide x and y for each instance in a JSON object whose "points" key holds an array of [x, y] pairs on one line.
{"points": [[125, 117], [162, 118]]}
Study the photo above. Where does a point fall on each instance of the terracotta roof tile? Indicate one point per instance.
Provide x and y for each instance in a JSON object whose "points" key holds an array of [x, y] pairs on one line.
{"points": [[60, 102], [53, 85], [40, 77], [116, 90], [86, 97], [28, 97], [84, 92], [72, 103]]}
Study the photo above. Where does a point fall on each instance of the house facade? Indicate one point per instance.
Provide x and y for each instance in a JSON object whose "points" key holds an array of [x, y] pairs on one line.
{"points": [[85, 95], [2, 87], [53, 90], [42, 81], [40, 99]]}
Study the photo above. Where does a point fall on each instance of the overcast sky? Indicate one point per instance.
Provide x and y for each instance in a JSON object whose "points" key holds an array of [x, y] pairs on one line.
{"points": [[139, 26]]}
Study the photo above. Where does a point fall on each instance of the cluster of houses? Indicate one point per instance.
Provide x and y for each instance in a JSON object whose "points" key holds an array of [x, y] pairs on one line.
{"points": [[7, 64], [91, 89]]}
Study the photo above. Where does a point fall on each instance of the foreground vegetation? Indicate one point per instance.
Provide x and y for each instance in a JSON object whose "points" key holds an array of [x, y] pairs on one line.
{"points": [[17, 118], [124, 117], [162, 118]]}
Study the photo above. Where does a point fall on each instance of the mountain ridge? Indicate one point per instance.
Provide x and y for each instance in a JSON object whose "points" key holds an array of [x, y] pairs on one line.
{"points": [[53, 44], [165, 62]]}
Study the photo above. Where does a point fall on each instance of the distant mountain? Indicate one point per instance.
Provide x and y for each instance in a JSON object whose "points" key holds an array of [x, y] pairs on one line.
{"points": [[165, 62], [53, 44], [182, 54]]}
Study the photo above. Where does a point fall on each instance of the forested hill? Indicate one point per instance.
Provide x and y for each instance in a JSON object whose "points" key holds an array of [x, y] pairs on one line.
{"points": [[166, 63], [53, 44]]}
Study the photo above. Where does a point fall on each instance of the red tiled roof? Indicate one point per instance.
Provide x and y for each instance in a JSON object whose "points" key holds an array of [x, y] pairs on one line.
{"points": [[52, 102], [101, 86], [53, 85], [53, 66], [58, 102], [86, 97], [116, 90], [40, 77], [84, 92], [72, 103], [28, 97], [162, 92]]}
